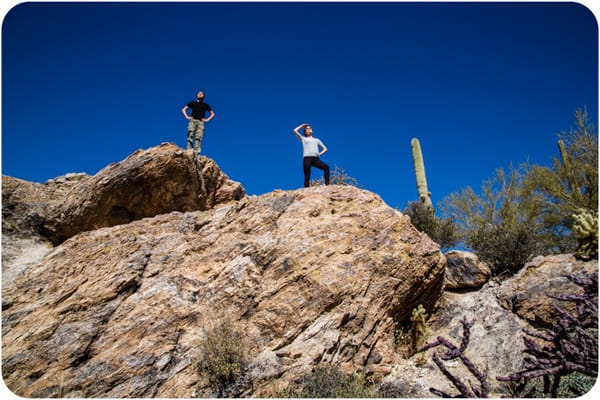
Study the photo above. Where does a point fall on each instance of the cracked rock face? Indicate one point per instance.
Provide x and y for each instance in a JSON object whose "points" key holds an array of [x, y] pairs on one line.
{"points": [[321, 274]]}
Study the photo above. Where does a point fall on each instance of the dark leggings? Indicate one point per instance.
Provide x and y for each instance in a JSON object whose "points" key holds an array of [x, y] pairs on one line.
{"points": [[308, 162]]}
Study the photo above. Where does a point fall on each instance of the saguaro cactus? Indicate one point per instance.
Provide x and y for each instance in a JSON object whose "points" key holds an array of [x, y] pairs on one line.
{"points": [[424, 195]]}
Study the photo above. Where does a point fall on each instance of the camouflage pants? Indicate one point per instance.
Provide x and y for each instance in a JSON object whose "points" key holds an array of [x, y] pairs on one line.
{"points": [[195, 135]]}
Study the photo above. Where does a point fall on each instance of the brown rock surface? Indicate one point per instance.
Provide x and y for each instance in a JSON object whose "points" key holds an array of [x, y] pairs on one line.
{"points": [[464, 271], [527, 294], [318, 274]]}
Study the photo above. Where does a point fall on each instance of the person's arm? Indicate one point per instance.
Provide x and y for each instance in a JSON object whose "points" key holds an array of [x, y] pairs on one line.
{"points": [[324, 149], [210, 116], [297, 131], [184, 112]]}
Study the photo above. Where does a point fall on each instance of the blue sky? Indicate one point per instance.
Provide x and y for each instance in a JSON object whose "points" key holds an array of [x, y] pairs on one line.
{"points": [[482, 85]]}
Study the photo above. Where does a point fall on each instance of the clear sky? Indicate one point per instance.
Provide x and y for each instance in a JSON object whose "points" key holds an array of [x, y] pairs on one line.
{"points": [[482, 85]]}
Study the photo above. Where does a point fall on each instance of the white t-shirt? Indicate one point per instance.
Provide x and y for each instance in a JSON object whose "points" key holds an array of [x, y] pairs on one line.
{"points": [[310, 146]]}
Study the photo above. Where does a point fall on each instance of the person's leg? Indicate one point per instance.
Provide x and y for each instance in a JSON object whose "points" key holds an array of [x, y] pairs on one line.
{"points": [[199, 136], [306, 163], [190, 134], [321, 165]]}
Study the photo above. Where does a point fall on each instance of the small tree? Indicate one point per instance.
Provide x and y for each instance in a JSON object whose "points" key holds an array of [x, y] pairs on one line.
{"points": [[568, 186], [500, 225]]}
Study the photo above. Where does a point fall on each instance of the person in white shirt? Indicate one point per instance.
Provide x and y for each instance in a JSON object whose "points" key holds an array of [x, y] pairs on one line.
{"points": [[312, 150]]}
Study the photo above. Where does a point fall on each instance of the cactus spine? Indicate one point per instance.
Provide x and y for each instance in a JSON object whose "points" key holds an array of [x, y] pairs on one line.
{"points": [[424, 195]]}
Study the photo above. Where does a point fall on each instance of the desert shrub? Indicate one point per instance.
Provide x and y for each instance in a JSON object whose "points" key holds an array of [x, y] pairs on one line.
{"points": [[505, 247], [571, 385], [329, 381], [223, 357], [338, 176], [440, 230], [397, 390]]}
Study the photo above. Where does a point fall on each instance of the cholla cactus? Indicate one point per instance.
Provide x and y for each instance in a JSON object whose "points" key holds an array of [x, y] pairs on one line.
{"points": [[585, 229], [454, 352], [419, 329]]}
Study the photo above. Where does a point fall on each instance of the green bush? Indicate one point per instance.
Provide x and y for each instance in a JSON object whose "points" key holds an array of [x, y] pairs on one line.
{"points": [[505, 247]]}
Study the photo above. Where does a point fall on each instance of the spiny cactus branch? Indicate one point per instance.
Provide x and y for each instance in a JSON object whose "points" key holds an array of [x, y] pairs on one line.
{"points": [[457, 352]]}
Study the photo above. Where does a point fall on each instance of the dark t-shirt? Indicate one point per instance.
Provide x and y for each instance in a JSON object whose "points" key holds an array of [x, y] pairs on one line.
{"points": [[199, 109]]}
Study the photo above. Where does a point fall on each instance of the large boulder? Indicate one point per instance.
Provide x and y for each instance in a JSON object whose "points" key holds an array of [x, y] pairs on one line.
{"points": [[149, 182], [315, 275]]}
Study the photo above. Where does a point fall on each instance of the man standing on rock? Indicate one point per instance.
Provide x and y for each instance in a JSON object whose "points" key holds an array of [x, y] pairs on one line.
{"points": [[311, 153], [195, 130]]}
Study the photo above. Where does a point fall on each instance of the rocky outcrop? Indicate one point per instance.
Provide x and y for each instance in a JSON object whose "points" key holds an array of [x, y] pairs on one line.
{"points": [[147, 183], [499, 310], [321, 274]]}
